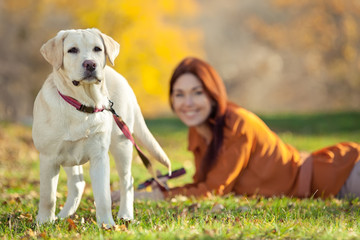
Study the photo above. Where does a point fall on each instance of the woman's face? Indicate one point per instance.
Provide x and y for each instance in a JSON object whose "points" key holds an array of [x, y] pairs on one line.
{"points": [[190, 101]]}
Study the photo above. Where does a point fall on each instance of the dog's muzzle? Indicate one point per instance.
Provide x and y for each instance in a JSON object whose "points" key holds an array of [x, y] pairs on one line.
{"points": [[90, 69], [90, 73]]}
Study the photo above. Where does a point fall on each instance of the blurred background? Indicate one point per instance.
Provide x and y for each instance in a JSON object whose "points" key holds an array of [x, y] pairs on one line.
{"points": [[273, 55], [296, 63]]}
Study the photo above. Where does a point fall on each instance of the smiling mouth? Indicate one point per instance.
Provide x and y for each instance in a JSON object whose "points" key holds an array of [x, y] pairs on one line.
{"points": [[190, 113]]}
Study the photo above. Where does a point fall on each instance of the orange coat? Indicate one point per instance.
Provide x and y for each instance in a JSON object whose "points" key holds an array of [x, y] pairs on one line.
{"points": [[254, 160]]}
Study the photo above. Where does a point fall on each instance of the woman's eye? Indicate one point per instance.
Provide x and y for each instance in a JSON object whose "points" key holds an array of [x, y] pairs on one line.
{"points": [[199, 92], [178, 95], [73, 50], [97, 49]]}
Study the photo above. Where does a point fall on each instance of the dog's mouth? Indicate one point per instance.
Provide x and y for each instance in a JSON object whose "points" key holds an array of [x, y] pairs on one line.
{"points": [[90, 75], [88, 78]]}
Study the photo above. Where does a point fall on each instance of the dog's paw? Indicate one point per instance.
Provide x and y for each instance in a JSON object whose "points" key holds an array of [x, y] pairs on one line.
{"points": [[41, 218], [106, 224], [125, 217]]}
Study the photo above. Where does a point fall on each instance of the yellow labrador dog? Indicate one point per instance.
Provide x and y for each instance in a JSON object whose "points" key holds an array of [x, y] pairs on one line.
{"points": [[69, 137]]}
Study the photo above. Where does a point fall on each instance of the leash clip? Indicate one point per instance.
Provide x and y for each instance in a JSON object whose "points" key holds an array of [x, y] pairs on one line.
{"points": [[111, 109]]}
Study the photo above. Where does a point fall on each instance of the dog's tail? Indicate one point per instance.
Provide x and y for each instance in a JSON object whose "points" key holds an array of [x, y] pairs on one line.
{"points": [[145, 138]]}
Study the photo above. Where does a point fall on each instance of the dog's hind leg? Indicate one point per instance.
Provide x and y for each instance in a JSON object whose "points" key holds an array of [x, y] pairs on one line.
{"points": [[49, 175], [76, 185], [122, 153]]}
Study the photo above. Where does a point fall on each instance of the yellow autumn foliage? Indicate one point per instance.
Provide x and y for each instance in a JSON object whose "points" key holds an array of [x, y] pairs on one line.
{"points": [[151, 36], [151, 41]]}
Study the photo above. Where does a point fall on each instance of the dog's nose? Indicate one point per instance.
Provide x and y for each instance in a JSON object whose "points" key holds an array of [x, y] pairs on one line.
{"points": [[89, 65]]}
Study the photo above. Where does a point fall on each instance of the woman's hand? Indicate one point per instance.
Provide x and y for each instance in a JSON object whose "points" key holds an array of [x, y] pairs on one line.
{"points": [[156, 193]]}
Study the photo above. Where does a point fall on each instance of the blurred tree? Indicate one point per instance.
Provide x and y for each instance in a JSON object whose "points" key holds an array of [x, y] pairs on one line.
{"points": [[325, 34], [20, 61], [151, 38], [149, 32]]}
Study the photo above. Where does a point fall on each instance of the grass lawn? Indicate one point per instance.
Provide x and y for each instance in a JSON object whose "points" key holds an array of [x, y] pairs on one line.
{"points": [[229, 217]]}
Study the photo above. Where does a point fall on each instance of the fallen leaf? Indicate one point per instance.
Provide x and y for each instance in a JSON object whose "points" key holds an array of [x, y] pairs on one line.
{"points": [[27, 216], [93, 221], [209, 232], [72, 225], [158, 228], [43, 235], [119, 228], [30, 233], [106, 227]]}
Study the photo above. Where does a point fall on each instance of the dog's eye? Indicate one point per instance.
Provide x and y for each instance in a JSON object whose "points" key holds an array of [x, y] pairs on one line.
{"points": [[97, 49], [73, 50]]}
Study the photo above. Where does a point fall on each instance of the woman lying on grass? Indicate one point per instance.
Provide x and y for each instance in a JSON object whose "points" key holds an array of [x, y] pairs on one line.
{"points": [[236, 152]]}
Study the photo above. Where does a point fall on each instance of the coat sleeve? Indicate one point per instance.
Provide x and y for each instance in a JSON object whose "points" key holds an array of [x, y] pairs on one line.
{"points": [[232, 159]]}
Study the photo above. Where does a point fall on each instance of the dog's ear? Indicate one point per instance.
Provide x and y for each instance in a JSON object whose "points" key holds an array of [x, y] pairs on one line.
{"points": [[112, 47], [53, 51]]}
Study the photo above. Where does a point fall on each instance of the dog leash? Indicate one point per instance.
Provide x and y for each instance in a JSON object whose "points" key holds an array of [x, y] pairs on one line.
{"points": [[124, 128], [120, 123], [174, 174]]}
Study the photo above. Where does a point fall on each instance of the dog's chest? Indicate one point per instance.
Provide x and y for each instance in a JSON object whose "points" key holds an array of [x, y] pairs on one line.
{"points": [[86, 125], [85, 137], [81, 151]]}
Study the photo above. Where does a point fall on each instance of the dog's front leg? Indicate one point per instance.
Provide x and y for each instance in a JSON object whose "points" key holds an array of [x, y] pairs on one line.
{"points": [[76, 185], [122, 153], [49, 175], [100, 180]]}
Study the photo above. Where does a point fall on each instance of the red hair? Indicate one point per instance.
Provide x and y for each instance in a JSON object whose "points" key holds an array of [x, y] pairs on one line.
{"points": [[215, 88]]}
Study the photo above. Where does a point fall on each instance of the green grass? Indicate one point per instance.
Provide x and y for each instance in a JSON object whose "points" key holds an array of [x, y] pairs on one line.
{"points": [[229, 217]]}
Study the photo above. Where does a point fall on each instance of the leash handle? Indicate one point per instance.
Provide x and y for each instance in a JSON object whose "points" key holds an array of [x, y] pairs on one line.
{"points": [[174, 174]]}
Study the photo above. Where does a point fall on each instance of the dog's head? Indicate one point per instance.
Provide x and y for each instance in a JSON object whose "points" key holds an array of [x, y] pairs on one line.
{"points": [[81, 54]]}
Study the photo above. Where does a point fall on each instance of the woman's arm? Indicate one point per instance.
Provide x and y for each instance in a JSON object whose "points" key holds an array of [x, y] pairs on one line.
{"points": [[232, 159]]}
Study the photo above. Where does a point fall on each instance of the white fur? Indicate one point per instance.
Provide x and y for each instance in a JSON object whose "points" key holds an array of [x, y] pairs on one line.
{"points": [[69, 138]]}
